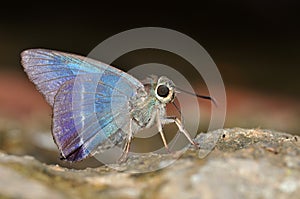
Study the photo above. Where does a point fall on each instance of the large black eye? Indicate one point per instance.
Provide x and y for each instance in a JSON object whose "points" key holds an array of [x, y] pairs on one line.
{"points": [[163, 91]]}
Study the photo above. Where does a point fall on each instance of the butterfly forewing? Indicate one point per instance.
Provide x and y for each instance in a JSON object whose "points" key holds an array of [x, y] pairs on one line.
{"points": [[49, 70]]}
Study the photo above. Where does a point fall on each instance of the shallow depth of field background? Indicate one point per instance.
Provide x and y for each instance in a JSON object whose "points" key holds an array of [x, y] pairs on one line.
{"points": [[255, 45]]}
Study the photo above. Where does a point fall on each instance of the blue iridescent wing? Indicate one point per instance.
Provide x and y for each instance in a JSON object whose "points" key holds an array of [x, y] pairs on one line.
{"points": [[90, 99], [49, 70], [88, 112]]}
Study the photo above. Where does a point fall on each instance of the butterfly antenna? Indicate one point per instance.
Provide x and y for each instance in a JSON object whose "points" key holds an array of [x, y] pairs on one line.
{"points": [[199, 96]]}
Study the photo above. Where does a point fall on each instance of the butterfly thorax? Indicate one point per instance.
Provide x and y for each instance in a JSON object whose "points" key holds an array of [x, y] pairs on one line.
{"points": [[143, 108], [151, 100]]}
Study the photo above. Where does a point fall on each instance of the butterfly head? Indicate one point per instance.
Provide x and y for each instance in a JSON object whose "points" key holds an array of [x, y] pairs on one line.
{"points": [[165, 90]]}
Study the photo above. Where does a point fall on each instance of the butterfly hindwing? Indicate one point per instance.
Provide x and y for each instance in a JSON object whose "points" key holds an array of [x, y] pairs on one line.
{"points": [[86, 114]]}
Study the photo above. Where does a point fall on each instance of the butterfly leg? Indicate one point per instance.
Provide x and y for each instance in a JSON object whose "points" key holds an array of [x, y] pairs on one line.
{"points": [[160, 130], [173, 119], [126, 148]]}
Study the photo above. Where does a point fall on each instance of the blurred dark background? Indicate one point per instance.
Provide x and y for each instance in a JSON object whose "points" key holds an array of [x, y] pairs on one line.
{"points": [[255, 44]]}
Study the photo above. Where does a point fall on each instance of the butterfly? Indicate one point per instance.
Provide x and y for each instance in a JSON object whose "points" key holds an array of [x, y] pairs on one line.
{"points": [[97, 106]]}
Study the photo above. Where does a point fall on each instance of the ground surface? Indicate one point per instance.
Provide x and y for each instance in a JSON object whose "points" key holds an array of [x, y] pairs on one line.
{"points": [[244, 163]]}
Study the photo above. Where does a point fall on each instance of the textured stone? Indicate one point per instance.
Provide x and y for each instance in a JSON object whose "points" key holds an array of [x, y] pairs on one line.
{"points": [[244, 163]]}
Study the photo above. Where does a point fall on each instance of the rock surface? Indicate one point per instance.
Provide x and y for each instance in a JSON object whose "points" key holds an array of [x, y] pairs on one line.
{"points": [[244, 163]]}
